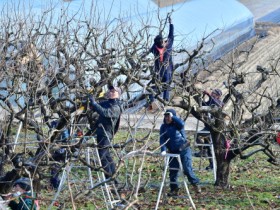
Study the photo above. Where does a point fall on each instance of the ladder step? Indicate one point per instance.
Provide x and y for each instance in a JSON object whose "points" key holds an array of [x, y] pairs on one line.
{"points": [[206, 145], [114, 201], [209, 157], [202, 169], [203, 132], [174, 168]]}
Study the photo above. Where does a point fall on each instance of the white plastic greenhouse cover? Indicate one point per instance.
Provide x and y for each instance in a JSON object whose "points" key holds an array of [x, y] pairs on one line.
{"points": [[193, 19]]}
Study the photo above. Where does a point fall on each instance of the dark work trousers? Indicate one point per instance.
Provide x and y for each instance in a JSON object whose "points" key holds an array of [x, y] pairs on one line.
{"points": [[107, 161], [166, 80], [186, 159]]}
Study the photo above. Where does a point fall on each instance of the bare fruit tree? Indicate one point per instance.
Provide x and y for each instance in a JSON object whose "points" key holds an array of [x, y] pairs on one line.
{"points": [[248, 122], [51, 63]]}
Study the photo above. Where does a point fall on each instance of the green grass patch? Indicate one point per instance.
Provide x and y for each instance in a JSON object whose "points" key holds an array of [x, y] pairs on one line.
{"points": [[254, 183]]}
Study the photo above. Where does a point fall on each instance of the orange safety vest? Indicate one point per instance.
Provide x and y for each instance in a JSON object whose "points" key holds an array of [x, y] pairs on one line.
{"points": [[161, 52]]}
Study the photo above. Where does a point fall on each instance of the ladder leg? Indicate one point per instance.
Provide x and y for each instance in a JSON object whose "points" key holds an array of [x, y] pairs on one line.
{"points": [[213, 158], [88, 168], [184, 180], [210, 146], [138, 123], [17, 136], [62, 181], [166, 162], [102, 177]]}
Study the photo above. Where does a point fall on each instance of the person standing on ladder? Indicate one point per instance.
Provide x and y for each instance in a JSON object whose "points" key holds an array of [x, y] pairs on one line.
{"points": [[107, 125], [163, 65], [213, 99], [173, 138]]}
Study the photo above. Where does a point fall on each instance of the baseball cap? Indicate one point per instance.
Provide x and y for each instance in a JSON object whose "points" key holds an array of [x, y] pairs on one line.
{"points": [[116, 89], [170, 111]]}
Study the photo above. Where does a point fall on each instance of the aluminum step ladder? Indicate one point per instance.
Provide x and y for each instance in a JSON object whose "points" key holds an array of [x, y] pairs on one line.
{"points": [[92, 158], [109, 191], [206, 134], [67, 174], [181, 174]]}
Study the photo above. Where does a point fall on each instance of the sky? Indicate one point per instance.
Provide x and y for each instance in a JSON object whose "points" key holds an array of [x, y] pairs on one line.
{"points": [[192, 19]]}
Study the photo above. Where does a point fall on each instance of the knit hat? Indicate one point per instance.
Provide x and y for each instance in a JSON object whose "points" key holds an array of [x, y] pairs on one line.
{"points": [[158, 40]]}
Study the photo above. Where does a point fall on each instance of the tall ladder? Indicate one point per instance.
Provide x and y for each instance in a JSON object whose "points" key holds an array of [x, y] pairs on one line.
{"points": [[68, 172], [166, 166], [206, 134], [91, 156], [112, 199]]}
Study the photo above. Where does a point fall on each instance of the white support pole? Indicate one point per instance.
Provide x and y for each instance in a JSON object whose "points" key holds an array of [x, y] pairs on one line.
{"points": [[213, 158], [17, 136], [62, 181], [184, 180]]}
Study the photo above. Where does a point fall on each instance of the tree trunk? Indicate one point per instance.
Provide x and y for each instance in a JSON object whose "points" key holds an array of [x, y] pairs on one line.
{"points": [[223, 167], [223, 161]]}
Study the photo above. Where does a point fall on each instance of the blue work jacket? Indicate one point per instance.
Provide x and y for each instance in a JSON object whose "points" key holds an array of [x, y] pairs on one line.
{"points": [[173, 136]]}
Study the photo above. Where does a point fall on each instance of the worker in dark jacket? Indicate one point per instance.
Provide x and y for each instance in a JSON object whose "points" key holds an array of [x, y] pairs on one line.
{"points": [[173, 138], [163, 65], [212, 98], [22, 193], [107, 125]]}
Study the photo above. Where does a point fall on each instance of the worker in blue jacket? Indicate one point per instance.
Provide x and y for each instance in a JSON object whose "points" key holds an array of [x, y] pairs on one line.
{"points": [[107, 125], [173, 138]]}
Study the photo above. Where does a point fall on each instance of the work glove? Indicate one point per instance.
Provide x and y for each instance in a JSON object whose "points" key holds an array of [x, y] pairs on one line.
{"points": [[163, 153]]}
